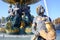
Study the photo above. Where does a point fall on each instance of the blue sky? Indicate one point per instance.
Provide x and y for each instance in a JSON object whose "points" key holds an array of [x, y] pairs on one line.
{"points": [[53, 8]]}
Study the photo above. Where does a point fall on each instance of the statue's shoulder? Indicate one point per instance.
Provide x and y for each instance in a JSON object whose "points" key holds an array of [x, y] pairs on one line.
{"points": [[47, 17], [37, 17]]}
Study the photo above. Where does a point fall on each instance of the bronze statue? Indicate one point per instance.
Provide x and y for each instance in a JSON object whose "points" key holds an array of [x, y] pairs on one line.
{"points": [[42, 25], [16, 14]]}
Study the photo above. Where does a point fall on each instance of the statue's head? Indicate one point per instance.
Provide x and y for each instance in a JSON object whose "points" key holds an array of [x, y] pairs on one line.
{"points": [[40, 10], [10, 5], [23, 14]]}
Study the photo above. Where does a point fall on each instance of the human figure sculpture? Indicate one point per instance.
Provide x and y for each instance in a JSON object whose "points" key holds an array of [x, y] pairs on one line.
{"points": [[18, 12], [42, 26]]}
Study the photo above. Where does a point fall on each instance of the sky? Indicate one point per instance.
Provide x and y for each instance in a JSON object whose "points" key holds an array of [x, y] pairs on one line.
{"points": [[52, 5]]}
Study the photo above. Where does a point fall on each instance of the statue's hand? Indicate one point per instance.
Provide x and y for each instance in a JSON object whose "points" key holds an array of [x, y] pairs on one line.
{"points": [[16, 9], [37, 34]]}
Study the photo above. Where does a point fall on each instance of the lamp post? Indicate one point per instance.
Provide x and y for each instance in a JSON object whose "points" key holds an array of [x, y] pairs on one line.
{"points": [[46, 7]]}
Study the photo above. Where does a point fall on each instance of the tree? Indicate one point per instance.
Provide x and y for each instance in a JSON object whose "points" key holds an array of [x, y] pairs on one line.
{"points": [[3, 20], [0, 21], [57, 21]]}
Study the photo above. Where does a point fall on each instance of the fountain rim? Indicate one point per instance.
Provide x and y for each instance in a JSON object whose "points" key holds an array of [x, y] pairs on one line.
{"points": [[28, 3]]}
